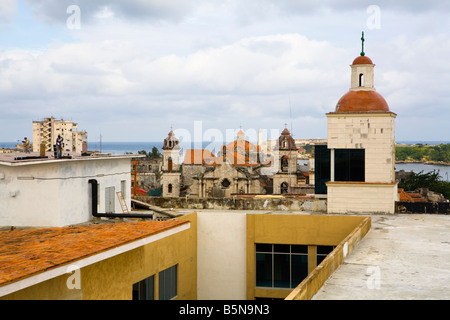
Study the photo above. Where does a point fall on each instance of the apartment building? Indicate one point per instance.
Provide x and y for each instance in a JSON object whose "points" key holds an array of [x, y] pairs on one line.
{"points": [[46, 132]]}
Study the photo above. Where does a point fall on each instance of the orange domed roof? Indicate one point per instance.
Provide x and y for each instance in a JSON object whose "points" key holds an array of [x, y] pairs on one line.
{"points": [[362, 60], [362, 101]]}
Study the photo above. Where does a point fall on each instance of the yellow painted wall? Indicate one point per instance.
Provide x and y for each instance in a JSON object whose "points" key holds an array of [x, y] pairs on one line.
{"points": [[113, 278], [311, 230]]}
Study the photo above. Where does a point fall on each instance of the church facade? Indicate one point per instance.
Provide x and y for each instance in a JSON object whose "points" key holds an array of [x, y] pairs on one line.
{"points": [[240, 167]]}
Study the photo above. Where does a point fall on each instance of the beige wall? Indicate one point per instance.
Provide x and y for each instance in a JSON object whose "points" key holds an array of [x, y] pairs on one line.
{"points": [[374, 132], [347, 197], [221, 255]]}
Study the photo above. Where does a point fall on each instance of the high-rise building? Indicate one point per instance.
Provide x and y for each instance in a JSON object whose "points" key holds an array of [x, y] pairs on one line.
{"points": [[46, 132]]}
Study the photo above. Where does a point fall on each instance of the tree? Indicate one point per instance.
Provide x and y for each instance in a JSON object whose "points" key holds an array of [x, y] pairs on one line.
{"points": [[430, 180], [155, 153]]}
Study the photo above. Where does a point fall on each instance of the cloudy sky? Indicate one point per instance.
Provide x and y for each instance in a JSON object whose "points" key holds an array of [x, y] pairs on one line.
{"points": [[129, 70]]}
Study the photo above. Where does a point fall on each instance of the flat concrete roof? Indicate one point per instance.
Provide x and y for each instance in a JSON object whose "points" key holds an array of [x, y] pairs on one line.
{"points": [[9, 159], [405, 256]]}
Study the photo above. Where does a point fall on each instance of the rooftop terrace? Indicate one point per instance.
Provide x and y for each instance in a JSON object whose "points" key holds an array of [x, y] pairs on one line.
{"points": [[404, 256]]}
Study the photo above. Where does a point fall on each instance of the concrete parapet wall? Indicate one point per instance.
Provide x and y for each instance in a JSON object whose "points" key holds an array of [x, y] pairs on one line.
{"points": [[266, 203], [314, 281]]}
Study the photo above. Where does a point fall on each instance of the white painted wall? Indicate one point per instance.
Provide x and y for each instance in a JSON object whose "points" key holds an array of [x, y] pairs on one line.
{"points": [[57, 193], [221, 255]]}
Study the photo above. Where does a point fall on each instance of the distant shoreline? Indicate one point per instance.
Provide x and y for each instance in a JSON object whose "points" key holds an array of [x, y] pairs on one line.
{"points": [[436, 163]]}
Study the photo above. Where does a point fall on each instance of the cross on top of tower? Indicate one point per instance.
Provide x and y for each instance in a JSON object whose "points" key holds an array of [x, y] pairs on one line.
{"points": [[362, 44]]}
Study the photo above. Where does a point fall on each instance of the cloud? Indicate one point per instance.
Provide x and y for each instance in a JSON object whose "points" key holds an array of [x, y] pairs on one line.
{"points": [[250, 75], [8, 9], [135, 68], [55, 11]]}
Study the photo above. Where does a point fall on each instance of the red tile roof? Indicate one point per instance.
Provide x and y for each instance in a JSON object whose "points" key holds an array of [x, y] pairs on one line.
{"points": [[24, 253], [238, 153], [198, 156], [410, 196]]}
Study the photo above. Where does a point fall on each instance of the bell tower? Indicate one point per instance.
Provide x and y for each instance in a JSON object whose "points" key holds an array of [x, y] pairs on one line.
{"points": [[361, 147], [171, 176], [286, 156], [362, 72]]}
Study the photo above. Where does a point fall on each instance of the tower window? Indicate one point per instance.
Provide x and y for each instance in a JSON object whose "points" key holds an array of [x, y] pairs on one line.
{"points": [[349, 165], [226, 183], [361, 80], [284, 163], [170, 188], [170, 164], [284, 188]]}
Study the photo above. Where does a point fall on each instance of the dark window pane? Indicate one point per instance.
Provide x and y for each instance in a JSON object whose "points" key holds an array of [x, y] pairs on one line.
{"points": [[168, 283], [136, 291], [349, 164], [299, 269], [300, 249], [320, 258], [144, 290], [149, 288], [281, 248], [324, 249], [263, 247], [263, 270], [322, 168], [281, 270]]}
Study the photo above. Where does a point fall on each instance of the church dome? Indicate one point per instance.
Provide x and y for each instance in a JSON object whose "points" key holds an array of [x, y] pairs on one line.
{"points": [[362, 60], [362, 101]]}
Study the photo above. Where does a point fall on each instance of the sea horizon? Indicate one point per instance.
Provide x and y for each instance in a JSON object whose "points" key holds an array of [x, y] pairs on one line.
{"points": [[122, 147]]}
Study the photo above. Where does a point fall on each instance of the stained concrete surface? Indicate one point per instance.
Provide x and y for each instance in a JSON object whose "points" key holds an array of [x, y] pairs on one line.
{"points": [[403, 257]]}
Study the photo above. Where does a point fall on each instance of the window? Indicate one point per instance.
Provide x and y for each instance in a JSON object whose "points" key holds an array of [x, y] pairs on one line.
{"points": [[284, 163], [322, 252], [168, 283], [169, 188], [349, 164], [361, 80], [322, 167], [170, 164], [226, 183], [144, 290], [280, 265], [284, 188]]}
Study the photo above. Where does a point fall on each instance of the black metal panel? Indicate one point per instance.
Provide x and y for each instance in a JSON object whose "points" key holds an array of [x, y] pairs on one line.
{"points": [[322, 168]]}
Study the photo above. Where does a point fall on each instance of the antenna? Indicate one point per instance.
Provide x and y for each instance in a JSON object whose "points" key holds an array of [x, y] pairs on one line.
{"points": [[290, 113]]}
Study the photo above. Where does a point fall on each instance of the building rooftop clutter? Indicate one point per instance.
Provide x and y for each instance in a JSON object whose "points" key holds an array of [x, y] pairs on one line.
{"points": [[34, 157], [24, 253]]}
